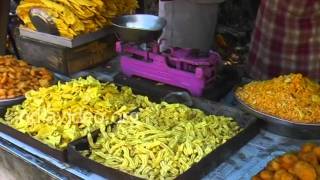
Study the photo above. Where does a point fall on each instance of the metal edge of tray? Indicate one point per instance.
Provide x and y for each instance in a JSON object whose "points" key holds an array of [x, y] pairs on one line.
{"points": [[281, 126], [44, 165], [62, 41], [29, 140], [12, 101], [75, 158], [196, 171]]}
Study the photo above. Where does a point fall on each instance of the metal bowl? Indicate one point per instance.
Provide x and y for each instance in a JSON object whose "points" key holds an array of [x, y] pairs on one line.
{"points": [[42, 21], [138, 28], [281, 126], [11, 101]]}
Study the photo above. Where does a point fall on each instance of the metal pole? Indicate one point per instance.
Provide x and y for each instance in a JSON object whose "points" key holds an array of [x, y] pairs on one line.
{"points": [[4, 17]]}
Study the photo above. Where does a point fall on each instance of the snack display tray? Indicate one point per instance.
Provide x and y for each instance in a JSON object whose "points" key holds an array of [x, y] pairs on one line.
{"points": [[29, 140], [4, 104], [281, 126], [197, 170]]}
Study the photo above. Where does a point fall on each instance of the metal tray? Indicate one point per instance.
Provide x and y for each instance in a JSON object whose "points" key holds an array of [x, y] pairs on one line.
{"points": [[206, 165], [29, 140], [281, 126]]}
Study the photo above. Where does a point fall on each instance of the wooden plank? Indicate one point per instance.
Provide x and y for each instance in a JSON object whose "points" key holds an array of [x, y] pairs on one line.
{"points": [[4, 17]]}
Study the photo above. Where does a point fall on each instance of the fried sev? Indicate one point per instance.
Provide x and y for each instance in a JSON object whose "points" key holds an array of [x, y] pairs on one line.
{"points": [[291, 97]]}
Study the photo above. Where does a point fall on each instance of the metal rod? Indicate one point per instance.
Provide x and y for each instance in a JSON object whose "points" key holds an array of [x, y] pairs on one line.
{"points": [[4, 17]]}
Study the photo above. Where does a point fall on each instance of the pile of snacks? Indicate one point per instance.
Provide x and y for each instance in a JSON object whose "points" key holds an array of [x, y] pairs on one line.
{"points": [[144, 139], [291, 97], [17, 77], [303, 165], [74, 17], [161, 141], [64, 112]]}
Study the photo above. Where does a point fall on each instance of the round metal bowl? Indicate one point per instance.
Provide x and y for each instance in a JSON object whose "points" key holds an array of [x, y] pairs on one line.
{"points": [[11, 101], [42, 21], [138, 28], [281, 126]]}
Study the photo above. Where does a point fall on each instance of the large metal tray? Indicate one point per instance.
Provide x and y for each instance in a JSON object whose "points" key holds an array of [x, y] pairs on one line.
{"points": [[58, 154], [281, 126], [198, 170], [29, 140]]}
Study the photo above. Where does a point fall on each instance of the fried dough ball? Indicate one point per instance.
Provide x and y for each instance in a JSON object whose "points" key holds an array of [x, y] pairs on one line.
{"points": [[266, 175], [256, 178], [310, 158], [283, 174], [308, 147], [316, 151], [305, 171], [302, 165], [288, 160], [274, 165]]}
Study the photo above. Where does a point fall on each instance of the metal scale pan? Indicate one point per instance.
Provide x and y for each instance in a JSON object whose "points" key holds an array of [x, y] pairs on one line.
{"points": [[281, 126], [139, 28]]}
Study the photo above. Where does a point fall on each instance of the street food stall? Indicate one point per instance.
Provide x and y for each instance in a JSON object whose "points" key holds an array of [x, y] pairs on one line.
{"points": [[93, 96]]}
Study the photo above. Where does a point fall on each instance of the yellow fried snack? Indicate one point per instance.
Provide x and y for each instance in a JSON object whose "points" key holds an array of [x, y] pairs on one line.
{"points": [[75, 17], [161, 141], [62, 113], [291, 97]]}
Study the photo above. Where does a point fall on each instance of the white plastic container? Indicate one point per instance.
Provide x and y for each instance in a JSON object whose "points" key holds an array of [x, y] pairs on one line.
{"points": [[190, 23]]}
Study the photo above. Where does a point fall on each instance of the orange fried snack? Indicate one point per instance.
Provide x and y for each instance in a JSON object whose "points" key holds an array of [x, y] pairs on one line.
{"points": [[302, 165], [291, 97], [17, 77]]}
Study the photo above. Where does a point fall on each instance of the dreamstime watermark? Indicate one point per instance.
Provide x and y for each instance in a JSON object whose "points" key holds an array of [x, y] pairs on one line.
{"points": [[80, 117]]}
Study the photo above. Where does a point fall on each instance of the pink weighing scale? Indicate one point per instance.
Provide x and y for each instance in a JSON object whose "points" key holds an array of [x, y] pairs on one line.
{"points": [[140, 55]]}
